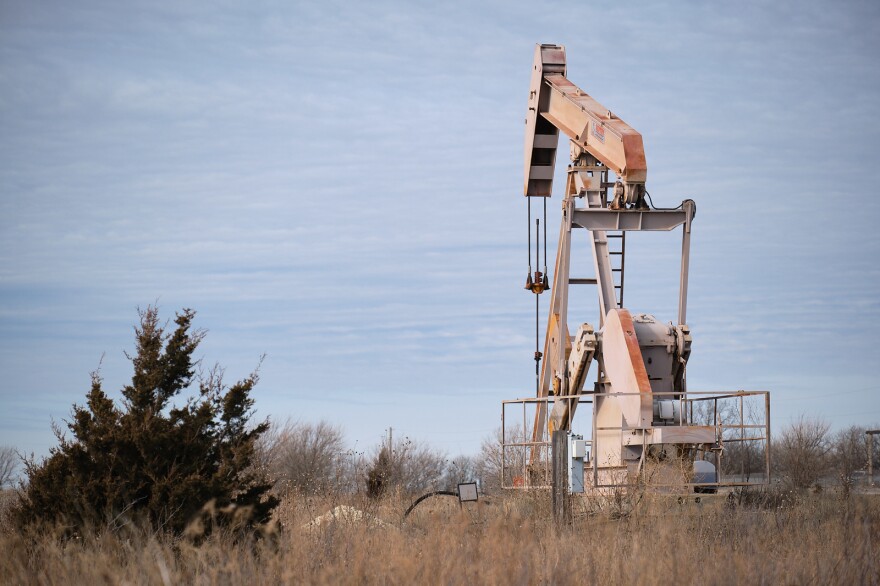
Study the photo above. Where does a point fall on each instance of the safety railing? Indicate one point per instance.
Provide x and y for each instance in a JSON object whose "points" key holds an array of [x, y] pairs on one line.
{"points": [[739, 450]]}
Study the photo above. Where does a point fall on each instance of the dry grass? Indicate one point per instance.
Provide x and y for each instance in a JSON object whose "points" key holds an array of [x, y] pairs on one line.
{"points": [[508, 539]]}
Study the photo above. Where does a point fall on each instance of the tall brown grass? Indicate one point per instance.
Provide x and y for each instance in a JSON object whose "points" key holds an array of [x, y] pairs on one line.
{"points": [[505, 539]]}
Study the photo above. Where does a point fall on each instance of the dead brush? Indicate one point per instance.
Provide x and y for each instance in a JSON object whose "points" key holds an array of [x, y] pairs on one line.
{"points": [[628, 496], [815, 539], [775, 497]]}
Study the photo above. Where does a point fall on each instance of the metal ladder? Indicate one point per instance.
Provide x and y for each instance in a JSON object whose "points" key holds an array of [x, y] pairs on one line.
{"points": [[616, 255], [617, 268]]}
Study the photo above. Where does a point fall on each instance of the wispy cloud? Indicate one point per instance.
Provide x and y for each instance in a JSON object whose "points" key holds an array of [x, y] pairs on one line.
{"points": [[338, 186]]}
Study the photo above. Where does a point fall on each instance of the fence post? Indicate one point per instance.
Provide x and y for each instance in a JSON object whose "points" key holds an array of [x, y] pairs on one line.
{"points": [[561, 498], [870, 434]]}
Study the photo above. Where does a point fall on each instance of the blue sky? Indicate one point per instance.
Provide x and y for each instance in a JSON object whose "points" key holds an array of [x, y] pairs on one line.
{"points": [[338, 185]]}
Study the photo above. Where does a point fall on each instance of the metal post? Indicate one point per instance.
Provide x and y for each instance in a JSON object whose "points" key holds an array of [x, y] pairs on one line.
{"points": [[503, 444], [870, 435], [742, 443], [527, 462], [767, 435], [719, 429], [685, 259], [593, 445], [561, 499]]}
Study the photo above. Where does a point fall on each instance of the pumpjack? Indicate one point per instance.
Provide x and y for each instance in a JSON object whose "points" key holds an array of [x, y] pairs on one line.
{"points": [[642, 411]]}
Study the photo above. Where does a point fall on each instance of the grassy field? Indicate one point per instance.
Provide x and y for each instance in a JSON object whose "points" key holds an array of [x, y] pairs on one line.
{"points": [[505, 539]]}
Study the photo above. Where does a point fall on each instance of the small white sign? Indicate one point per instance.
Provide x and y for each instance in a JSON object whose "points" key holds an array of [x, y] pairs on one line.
{"points": [[467, 492]]}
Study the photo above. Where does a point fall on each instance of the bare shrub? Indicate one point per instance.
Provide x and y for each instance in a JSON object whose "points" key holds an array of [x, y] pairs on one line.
{"points": [[8, 465], [306, 457], [420, 467], [489, 463], [849, 453], [743, 458], [774, 497], [513, 461], [409, 467], [458, 470], [801, 452]]}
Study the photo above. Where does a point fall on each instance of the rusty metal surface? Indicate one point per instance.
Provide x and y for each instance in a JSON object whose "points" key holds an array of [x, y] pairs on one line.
{"points": [[595, 128], [554, 104]]}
